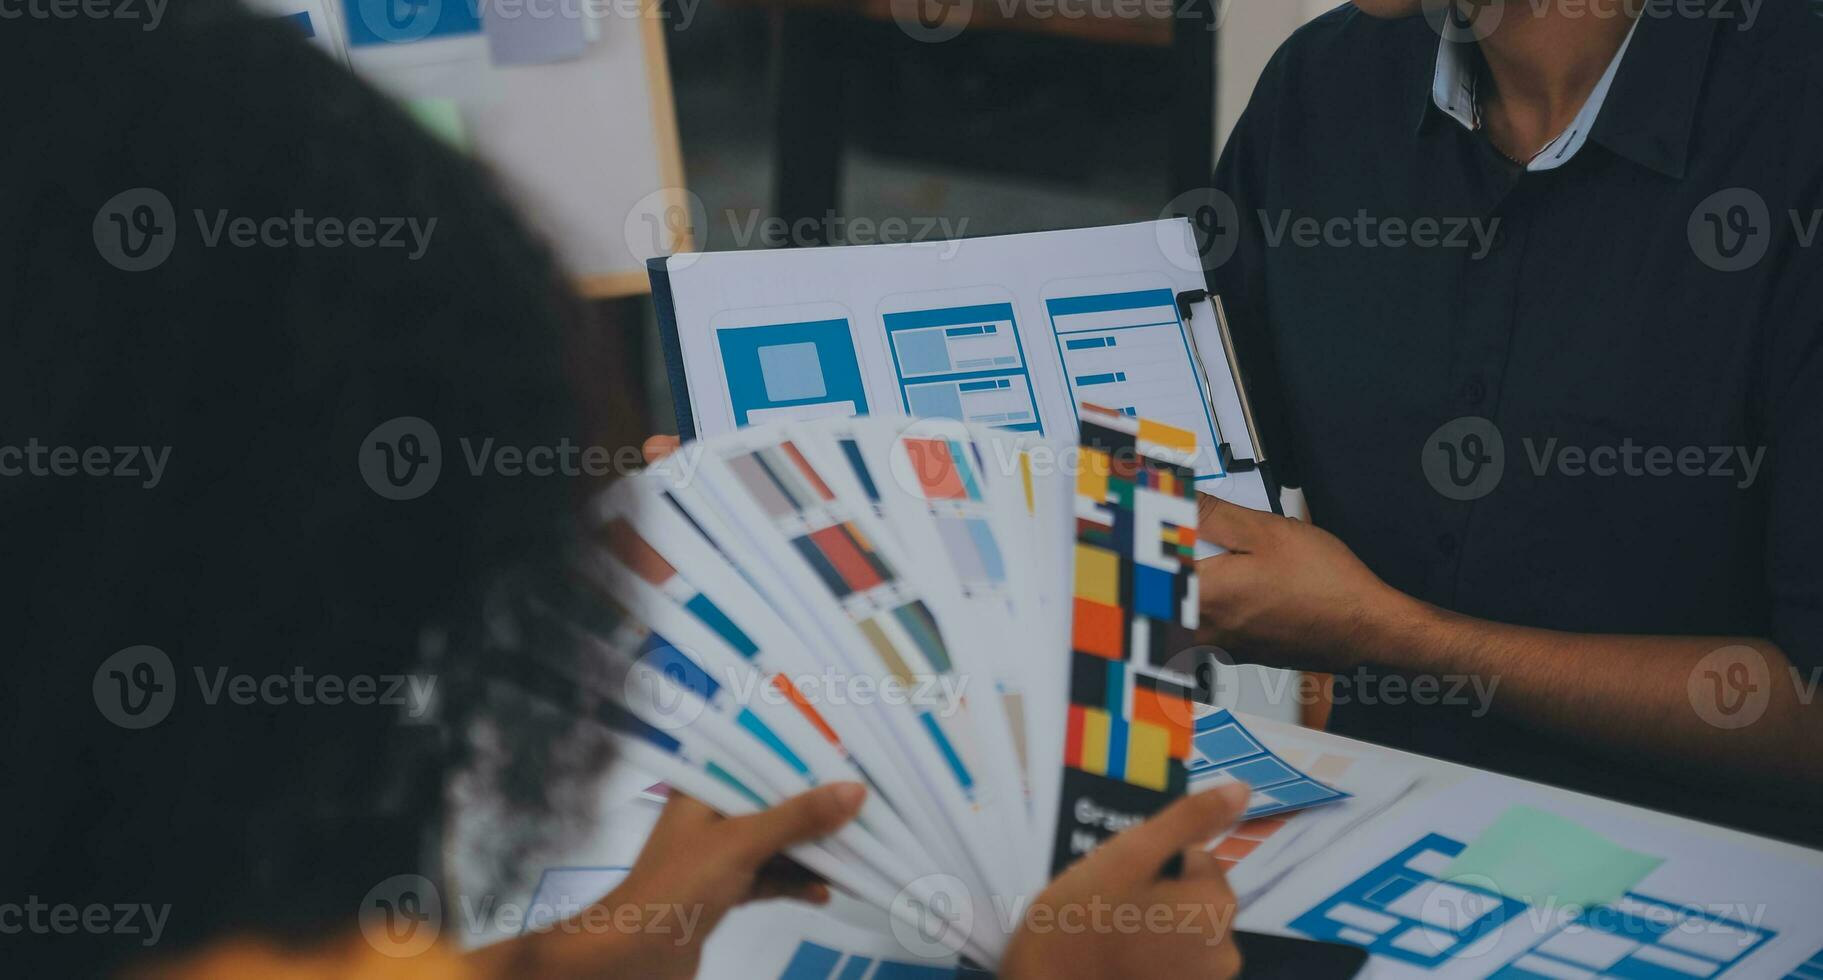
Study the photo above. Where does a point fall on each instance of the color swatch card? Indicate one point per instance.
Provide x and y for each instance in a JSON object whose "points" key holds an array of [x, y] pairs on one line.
{"points": [[1223, 749]]}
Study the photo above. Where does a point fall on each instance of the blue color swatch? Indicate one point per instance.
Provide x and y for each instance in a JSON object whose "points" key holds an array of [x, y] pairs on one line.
{"points": [[373, 22], [1221, 746]]}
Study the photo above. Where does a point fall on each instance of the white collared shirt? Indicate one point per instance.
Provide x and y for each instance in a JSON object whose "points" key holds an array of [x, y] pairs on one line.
{"points": [[1453, 90]]}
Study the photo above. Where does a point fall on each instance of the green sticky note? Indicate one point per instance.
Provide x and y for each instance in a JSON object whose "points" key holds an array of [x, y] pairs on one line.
{"points": [[1541, 858], [443, 117]]}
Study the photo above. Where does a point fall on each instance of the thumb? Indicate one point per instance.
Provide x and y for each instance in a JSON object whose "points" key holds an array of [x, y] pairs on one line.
{"points": [[1192, 821], [799, 820], [1227, 525], [658, 447]]}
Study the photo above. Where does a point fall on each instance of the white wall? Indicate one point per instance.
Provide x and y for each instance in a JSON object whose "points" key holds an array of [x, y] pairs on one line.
{"points": [[1251, 31]]}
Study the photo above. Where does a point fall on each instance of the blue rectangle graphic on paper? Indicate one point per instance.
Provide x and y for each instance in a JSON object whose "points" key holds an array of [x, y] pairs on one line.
{"points": [[785, 370], [1639, 937], [965, 362], [1223, 747], [1402, 911]]}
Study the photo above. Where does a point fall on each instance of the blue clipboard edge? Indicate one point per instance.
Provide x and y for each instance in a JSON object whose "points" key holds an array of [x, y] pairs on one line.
{"points": [[672, 345]]}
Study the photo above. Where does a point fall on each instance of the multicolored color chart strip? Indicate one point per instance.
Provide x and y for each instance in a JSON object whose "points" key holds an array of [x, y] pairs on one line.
{"points": [[1127, 740]]}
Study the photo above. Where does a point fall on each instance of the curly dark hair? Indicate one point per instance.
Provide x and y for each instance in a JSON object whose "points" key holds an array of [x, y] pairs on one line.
{"points": [[259, 550]]}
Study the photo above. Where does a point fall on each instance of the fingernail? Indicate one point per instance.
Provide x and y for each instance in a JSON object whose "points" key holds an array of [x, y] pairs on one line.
{"points": [[1235, 793], [849, 795]]}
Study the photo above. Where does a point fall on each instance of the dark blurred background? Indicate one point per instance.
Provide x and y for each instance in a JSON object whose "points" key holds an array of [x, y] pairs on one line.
{"points": [[795, 108]]}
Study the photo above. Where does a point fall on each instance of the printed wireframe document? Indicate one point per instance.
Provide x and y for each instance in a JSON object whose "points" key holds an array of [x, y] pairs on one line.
{"points": [[1013, 332]]}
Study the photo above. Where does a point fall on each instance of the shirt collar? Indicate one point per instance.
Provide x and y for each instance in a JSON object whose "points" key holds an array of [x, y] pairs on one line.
{"points": [[1453, 92]]}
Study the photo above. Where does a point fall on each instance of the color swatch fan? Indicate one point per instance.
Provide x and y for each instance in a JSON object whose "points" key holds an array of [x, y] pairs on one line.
{"points": [[979, 625]]}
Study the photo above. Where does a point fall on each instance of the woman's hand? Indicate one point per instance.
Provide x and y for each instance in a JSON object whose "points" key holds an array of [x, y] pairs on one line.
{"points": [[695, 868], [1113, 915]]}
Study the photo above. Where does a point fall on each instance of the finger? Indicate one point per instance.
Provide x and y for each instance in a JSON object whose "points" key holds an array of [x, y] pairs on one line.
{"points": [[1199, 863], [799, 820], [1140, 852], [1229, 526], [1221, 584], [782, 877], [683, 818], [1212, 898], [809, 892], [658, 447], [1223, 575]]}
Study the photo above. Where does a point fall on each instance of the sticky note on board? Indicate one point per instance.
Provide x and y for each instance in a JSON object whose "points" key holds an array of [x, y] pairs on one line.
{"points": [[534, 32], [442, 117], [1540, 857]]}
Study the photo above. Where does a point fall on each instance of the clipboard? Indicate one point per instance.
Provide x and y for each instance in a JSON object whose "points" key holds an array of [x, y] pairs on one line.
{"points": [[1207, 335]]}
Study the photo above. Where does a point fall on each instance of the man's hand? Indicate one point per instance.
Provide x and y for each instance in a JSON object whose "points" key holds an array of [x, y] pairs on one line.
{"points": [[1287, 593], [1112, 915], [695, 868]]}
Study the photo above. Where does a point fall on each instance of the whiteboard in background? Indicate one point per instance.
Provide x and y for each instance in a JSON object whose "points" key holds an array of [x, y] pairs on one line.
{"points": [[587, 148]]}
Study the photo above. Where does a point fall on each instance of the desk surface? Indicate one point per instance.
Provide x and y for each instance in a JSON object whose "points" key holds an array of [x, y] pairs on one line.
{"points": [[1775, 890], [1772, 889]]}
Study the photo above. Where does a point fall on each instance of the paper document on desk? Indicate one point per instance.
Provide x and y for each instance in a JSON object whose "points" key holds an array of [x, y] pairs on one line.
{"points": [[1261, 850], [1721, 905]]}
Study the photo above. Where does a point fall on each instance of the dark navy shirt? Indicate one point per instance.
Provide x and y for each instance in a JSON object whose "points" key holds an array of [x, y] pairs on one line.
{"points": [[1588, 398]]}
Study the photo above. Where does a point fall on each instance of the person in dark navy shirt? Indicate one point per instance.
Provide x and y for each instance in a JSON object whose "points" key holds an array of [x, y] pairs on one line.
{"points": [[1531, 293]]}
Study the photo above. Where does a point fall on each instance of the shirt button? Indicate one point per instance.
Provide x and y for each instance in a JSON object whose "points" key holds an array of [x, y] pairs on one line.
{"points": [[1446, 543], [1473, 391]]}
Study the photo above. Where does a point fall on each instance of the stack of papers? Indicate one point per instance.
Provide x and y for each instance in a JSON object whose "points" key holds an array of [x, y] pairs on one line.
{"points": [[1338, 791]]}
